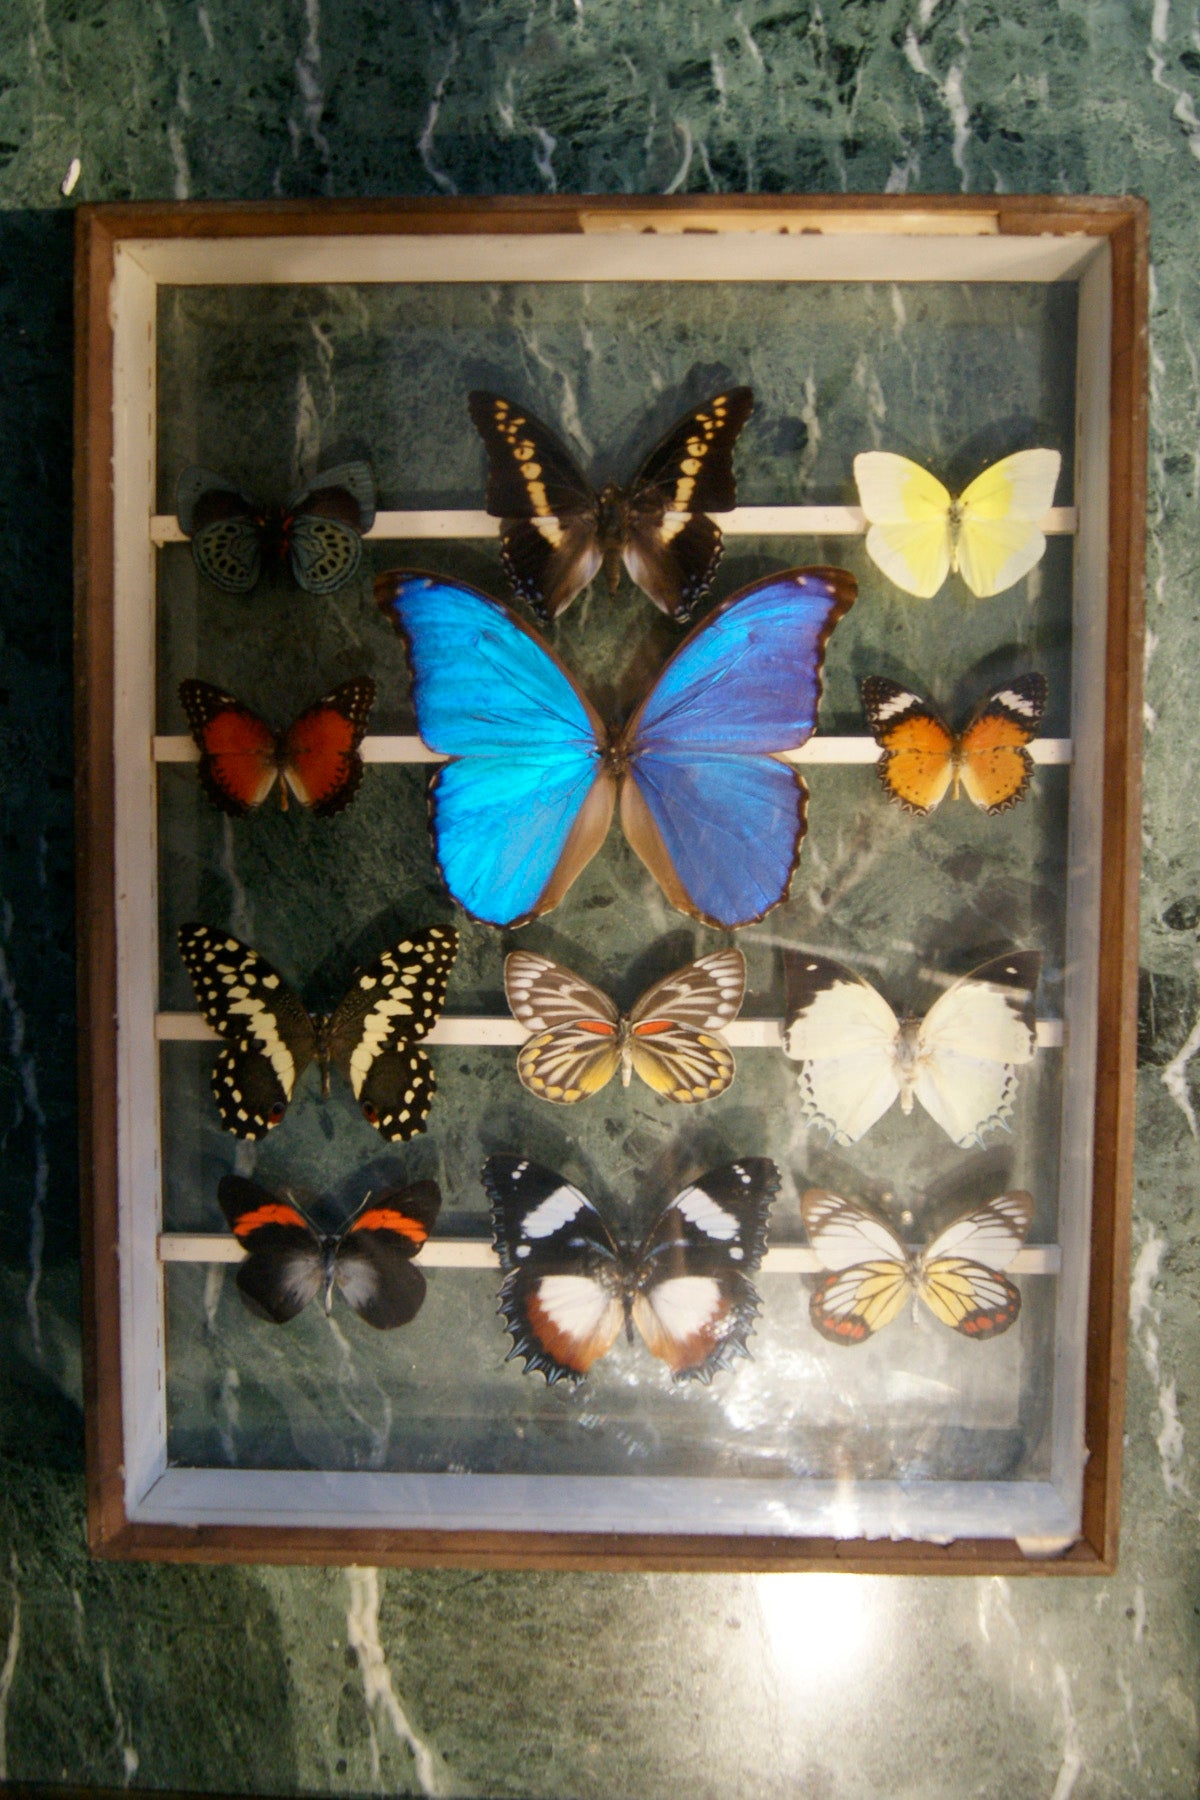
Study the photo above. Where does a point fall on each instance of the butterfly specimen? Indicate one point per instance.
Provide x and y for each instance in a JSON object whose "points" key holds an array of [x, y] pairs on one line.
{"points": [[371, 1036], [570, 1286], [958, 1275], [558, 531], [991, 534], [289, 1262], [526, 798], [671, 1037], [960, 1061], [316, 758], [317, 534], [922, 756]]}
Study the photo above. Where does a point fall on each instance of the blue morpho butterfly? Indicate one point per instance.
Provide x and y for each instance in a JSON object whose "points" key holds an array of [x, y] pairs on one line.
{"points": [[526, 798]]}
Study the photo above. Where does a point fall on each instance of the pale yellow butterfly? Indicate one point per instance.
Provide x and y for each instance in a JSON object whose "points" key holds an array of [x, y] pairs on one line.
{"points": [[991, 534]]}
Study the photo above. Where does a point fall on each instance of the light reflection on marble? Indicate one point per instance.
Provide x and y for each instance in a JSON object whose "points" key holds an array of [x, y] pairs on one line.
{"points": [[551, 1685]]}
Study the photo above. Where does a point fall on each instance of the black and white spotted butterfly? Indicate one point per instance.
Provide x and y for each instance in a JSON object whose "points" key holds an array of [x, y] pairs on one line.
{"points": [[570, 1286], [317, 533], [371, 1036], [558, 531]]}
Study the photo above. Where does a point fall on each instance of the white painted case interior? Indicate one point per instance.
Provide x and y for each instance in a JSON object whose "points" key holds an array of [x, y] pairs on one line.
{"points": [[1043, 1516]]}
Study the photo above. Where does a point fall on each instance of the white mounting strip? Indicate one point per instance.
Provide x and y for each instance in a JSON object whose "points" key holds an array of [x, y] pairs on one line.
{"points": [[743, 521], [492, 1032], [817, 750], [477, 1253]]}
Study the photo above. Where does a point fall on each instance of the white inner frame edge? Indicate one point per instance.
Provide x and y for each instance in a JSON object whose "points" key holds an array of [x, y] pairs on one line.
{"points": [[1042, 1515], [1045, 751], [492, 1031], [477, 1253], [743, 521]]}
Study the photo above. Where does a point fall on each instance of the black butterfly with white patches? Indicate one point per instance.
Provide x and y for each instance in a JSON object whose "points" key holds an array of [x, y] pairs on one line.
{"points": [[271, 1037], [289, 1261], [558, 531], [570, 1285]]}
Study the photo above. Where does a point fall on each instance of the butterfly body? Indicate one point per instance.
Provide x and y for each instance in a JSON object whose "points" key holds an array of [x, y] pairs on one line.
{"points": [[570, 1287], [671, 1038], [990, 534], [534, 774], [559, 531], [270, 1038], [317, 534], [960, 1061], [958, 1275], [923, 759], [290, 1262]]}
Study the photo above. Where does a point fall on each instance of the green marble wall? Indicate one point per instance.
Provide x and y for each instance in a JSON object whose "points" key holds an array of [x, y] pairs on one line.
{"points": [[549, 1686]]}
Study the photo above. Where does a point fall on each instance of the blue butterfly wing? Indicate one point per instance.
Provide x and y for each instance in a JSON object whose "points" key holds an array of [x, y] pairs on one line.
{"points": [[527, 796], [716, 819]]}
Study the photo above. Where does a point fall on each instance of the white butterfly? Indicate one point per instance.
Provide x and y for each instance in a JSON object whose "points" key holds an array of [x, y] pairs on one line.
{"points": [[991, 534], [958, 1275], [960, 1061]]}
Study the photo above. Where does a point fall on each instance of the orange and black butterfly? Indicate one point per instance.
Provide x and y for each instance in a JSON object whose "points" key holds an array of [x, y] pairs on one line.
{"points": [[316, 758], [558, 531], [922, 757], [289, 1261]]}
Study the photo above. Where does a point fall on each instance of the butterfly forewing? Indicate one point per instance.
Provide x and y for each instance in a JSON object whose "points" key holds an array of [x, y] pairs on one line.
{"points": [[270, 1038], [371, 1035]]}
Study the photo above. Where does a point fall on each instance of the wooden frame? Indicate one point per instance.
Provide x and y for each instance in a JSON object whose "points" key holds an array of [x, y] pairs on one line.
{"points": [[841, 236]]}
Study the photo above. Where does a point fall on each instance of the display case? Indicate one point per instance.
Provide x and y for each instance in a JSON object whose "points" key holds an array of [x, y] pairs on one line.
{"points": [[270, 343]]}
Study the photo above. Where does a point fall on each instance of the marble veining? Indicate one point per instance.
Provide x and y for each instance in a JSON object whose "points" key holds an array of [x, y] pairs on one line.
{"points": [[549, 1685]]}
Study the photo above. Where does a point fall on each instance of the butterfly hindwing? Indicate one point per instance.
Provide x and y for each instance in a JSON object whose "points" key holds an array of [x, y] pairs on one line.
{"points": [[372, 1035], [269, 1037]]}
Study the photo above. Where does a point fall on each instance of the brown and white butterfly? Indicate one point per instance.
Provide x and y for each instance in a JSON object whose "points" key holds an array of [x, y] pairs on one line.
{"points": [[559, 531], [671, 1038], [958, 1275], [922, 756]]}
